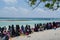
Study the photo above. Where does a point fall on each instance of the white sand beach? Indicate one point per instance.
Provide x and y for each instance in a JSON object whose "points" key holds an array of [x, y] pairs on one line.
{"points": [[42, 35]]}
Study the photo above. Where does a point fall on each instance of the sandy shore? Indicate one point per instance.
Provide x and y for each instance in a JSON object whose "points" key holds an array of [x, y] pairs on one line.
{"points": [[43, 35]]}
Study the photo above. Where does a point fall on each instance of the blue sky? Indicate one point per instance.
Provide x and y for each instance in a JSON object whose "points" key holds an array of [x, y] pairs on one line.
{"points": [[20, 8]]}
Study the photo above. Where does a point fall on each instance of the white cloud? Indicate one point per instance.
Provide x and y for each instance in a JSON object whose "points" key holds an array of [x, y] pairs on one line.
{"points": [[24, 12], [14, 12], [12, 9], [10, 1], [8, 12]]}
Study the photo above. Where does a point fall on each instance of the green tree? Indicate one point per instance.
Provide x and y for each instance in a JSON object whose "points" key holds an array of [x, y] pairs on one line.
{"points": [[51, 4]]}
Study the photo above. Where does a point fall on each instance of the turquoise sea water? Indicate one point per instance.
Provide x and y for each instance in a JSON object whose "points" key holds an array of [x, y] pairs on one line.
{"points": [[30, 21]]}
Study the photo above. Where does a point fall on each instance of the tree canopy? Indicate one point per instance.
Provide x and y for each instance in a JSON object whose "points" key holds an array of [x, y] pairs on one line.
{"points": [[51, 4]]}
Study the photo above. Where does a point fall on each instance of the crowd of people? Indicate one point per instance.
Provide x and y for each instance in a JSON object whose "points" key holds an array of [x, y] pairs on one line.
{"points": [[26, 30]]}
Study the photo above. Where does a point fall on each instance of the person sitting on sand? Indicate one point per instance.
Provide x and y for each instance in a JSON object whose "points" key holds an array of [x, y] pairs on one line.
{"points": [[10, 30], [4, 35], [29, 29], [17, 30], [26, 30], [51, 25], [0, 31], [41, 27], [48, 26], [36, 28], [13, 31], [23, 29], [54, 25], [44, 25]]}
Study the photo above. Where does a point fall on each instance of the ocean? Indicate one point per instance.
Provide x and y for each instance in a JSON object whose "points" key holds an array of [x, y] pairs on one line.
{"points": [[24, 21]]}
